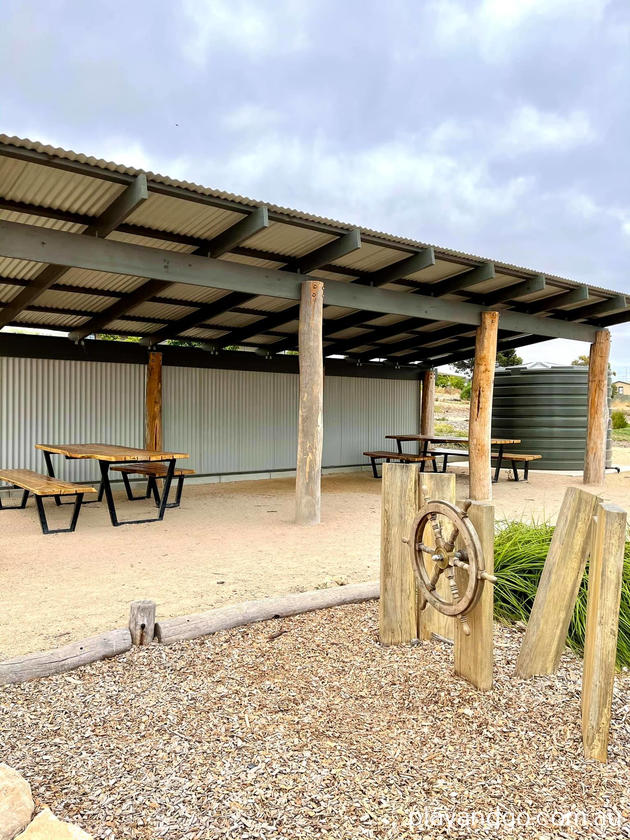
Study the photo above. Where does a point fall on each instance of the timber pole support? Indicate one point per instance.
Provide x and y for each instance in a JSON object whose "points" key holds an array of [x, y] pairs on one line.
{"points": [[427, 411], [435, 486], [546, 634], [474, 654], [310, 420], [605, 579], [597, 430], [480, 420], [400, 502], [153, 405]]}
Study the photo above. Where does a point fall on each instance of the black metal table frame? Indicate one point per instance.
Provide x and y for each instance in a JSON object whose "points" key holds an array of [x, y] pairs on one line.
{"points": [[41, 511], [425, 449], [105, 488]]}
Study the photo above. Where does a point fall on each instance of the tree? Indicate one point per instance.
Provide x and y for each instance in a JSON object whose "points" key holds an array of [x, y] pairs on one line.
{"points": [[583, 361], [505, 358]]}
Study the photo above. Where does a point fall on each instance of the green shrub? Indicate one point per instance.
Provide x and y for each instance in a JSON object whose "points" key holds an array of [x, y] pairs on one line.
{"points": [[619, 420], [449, 380], [520, 550], [465, 392]]}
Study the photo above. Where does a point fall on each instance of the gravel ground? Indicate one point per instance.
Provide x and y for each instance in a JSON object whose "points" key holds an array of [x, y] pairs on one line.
{"points": [[308, 728]]}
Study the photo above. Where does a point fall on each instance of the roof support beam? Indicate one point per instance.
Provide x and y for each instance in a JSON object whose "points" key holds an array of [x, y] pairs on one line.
{"points": [[468, 352], [373, 336], [556, 301], [194, 319], [234, 235], [411, 344], [330, 252], [527, 287], [416, 262], [480, 274], [119, 309], [603, 307], [122, 206], [28, 242]]}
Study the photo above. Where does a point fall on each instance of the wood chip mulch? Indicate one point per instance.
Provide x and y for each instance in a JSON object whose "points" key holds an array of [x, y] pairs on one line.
{"points": [[308, 728]]}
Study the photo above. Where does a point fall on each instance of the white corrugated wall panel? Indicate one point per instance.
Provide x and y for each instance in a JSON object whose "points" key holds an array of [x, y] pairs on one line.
{"points": [[53, 401], [243, 421]]}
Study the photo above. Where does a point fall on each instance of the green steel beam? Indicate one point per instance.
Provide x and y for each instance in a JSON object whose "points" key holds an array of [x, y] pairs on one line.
{"points": [[557, 301], [28, 242], [464, 280], [403, 268], [121, 207], [252, 224], [329, 252], [527, 287], [603, 307]]}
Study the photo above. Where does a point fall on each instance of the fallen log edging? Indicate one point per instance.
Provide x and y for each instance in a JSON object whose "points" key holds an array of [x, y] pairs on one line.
{"points": [[65, 658], [185, 627]]}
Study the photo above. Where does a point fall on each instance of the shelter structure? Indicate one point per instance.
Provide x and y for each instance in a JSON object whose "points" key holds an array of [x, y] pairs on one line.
{"points": [[90, 247]]}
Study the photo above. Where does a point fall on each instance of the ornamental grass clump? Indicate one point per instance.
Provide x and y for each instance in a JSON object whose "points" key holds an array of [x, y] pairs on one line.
{"points": [[519, 556]]}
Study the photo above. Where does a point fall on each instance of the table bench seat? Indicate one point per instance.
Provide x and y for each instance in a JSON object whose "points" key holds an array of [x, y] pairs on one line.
{"points": [[448, 453], [518, 458], [152, 470], [42, 486], [403, 457]]}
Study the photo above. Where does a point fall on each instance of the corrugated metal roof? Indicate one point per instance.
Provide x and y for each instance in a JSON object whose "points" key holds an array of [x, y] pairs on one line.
{"points": [[180, 216]]}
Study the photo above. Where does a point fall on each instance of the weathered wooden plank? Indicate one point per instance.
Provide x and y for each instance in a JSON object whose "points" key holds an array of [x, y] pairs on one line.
{"points": [[310, 420], [172, 630], [65, 658], [427, 412], [400, 501], [474, 656], [605, 578], [43, 485], [142, 622], [107, 452], [595, 454], [480, 480], [436, 486], [546, 633], [153, 403]]}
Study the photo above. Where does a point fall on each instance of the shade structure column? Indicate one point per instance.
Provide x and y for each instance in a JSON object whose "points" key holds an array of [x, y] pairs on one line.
{"points": [[480, 420], [310, 419], [427, 411], [597, 429], [153, 404]]}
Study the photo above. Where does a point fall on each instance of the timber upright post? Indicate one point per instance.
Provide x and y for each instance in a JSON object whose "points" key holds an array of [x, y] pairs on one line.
{"points": [[310, 422], [479, 424], [427, 411], [153, 404], [474, 656], [595, 455]]}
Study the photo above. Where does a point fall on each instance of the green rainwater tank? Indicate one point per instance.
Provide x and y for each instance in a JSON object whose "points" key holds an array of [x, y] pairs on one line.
{"points": [[546, 407]]}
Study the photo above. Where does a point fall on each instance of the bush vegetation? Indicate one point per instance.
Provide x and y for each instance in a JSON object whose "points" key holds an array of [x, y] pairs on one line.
{"points": [[450, 380], [519, 556], [619, 420]]}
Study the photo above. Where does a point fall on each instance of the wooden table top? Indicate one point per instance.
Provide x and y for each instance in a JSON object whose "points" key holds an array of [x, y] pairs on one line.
{"points": [[438, 439], [107, 452]]}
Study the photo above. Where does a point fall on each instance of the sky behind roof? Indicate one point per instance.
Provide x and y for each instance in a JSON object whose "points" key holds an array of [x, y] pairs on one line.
{"points": [[496, 127]]}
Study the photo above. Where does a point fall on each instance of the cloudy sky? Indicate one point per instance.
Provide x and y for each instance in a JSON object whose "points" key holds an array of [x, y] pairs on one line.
{"points": [[498, 127]]}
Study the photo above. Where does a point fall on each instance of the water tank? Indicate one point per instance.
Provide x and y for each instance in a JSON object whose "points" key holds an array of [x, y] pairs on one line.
{"points": [[546, 407]]}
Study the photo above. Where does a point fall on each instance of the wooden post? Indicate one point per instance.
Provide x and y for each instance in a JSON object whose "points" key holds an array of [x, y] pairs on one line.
{"points": [[479, 425], [427, 413], [595, 455], [153, 404], [605, 578], [310, 424], [474, 656], [436, 486], [546, 633], [142, 622], [400, 502]]}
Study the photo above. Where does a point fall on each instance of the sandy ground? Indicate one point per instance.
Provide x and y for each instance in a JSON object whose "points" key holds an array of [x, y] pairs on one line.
{"points": [[227, 543]]}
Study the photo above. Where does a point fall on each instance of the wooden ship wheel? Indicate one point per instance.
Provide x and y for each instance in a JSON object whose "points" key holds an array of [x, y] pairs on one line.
{"points": [[457, 546]]}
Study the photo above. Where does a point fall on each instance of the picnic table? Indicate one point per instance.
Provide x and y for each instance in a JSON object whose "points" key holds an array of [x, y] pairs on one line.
{"points": [[108, 454], [426, 440]]}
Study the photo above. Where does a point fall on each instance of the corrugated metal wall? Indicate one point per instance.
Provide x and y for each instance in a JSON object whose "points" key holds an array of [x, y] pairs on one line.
{"points": [[229, 421], [240, 421], [52, 401]]}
